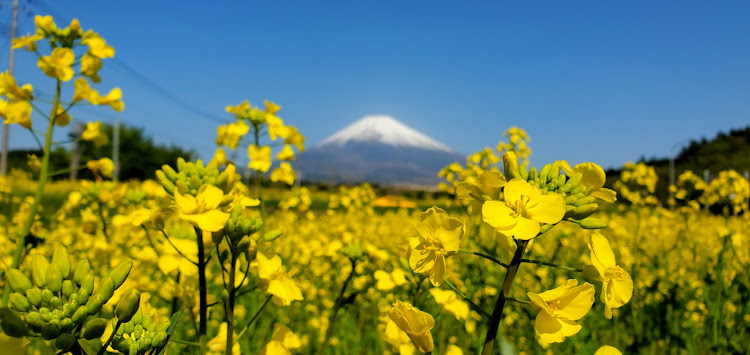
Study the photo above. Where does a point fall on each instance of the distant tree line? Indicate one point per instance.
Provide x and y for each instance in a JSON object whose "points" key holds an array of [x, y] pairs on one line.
{"points": [[723, 152], [139, 155]]}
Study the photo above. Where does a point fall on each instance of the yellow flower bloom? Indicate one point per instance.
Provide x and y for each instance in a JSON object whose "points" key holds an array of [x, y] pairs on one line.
{"points": [[171, 260], [59, 64], [103, 166], [295, 138], [202, 210], [113, 99], [388, 281], [282, 341], [241, 111], [45, 23], [98, 47], [559, 308], [286, 153], [524, 208], [28, 41], [230, 134], [16, 112], [415, 323], [63, 117], [90, 66], [449, 302], [260, 158], [271, 107], [607, 350], [34, 163], [284, 173], [93, 133], [439, 236], [593, 179], [9, 88], [276, 282], [218, 344], [617, 285]]}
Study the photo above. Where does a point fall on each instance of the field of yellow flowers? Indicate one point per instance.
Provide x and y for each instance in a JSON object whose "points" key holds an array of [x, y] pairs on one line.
{"points": [[521, 259]]}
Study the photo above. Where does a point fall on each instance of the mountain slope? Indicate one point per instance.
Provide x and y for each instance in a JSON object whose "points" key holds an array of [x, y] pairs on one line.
{"points": [[377, 149]]}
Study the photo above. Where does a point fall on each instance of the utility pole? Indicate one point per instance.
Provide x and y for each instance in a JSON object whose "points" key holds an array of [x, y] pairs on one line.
{"points": [[116, 150], [6, 128], [75, 155]]}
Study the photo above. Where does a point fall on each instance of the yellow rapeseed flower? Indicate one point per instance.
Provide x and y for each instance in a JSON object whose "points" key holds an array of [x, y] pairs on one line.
{"points": [[282, 341], [439, 236], [593, 179], [103, 166], [524, 208], [415, 323], [276, 281], [90, 66], [46, 24], [559, 308], [202, 210], [93, 133], [607, 350], [9, 88], [218, 344], [230, 134], [260, 158], [285, 153], [59, 64], [16, 112], [284, 173], [98, 47], [241, 111], [28, 41], [617, 285], [295, 138]]}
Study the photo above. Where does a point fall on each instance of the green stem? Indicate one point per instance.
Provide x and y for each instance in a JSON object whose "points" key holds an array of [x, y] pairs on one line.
{"points": [[474, 305], [486, 256], [185, 342], [336, 307], [203, 293], [111, 336], [545, 263], [21, 237], [255, 316], [497, 313], [230, 304]]}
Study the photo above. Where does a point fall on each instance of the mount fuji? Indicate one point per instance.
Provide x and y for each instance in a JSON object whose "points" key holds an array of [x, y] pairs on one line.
{"points": [[377, 149]]}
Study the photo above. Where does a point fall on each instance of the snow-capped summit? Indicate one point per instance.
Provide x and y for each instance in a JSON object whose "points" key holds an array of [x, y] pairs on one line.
{"points": [[383, 129], [378, 149]]}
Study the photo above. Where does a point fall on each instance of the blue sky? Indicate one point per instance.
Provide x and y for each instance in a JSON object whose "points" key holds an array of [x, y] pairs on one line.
{"points": [[599, 81]]}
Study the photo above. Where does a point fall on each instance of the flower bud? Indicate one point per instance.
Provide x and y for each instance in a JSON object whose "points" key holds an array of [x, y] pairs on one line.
{"points": [[159, 340], [67, 288], [120, 273], [169, 186], [543, 174], [585, 201], [65, 341], [584, 211], [50, 331], [47, 295], [54, 278], [34, 296], [272, 235], [66, 325], [80, 314], [106, 288], [510, 165], [39, 270], [94, 328], [94, 304], [82, 270], [18, 281], [572, 183], [168, 172], [133, 349], [19, 302], [88, 284], [593, 223], [128, 305], [62, 259], [55, 302]]}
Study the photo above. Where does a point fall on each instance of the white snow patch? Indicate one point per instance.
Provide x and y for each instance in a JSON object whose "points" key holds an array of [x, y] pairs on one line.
{"points": [[384, 129]]}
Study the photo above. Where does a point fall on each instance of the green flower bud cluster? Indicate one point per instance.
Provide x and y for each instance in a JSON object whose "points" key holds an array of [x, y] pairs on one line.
{"points": [[579, 205], [59, 299], [140, 333], [238, 227], [189, 177]]}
